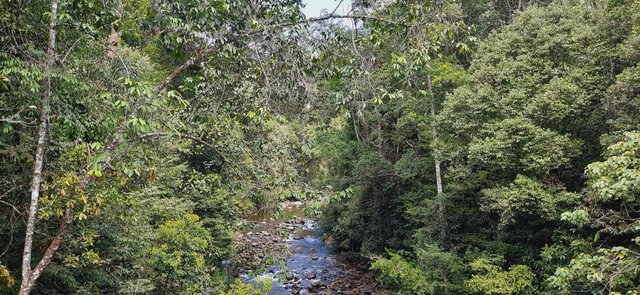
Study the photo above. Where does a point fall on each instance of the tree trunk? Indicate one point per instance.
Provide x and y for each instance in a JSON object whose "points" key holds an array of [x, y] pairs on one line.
{"points": [[355, 127], [436, 159], [28, 278], [434, 141]]}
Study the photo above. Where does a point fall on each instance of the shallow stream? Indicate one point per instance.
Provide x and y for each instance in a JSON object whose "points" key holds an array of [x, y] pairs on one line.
{"points": [[297, 260], [309, 269]]}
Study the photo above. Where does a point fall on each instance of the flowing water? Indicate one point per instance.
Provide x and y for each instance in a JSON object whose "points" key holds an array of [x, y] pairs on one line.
{"points": [[310, 268]]}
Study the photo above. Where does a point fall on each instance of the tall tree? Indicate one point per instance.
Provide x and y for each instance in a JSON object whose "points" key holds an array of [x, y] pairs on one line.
{"points": [[29, 275]]}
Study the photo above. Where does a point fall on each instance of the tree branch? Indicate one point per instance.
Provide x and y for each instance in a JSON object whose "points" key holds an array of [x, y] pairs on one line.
{"points": [[211, 50], [19, 122]]}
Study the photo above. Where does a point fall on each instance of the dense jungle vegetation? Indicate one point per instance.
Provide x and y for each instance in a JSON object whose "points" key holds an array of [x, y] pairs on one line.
{"points": [[462, 146]]}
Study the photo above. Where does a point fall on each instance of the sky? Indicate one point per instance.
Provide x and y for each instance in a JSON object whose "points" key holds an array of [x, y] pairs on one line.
{"points": [[314, 7]]}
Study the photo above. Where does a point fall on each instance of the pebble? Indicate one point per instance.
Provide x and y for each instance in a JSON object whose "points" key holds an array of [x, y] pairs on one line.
{"points": [[315, 284], [311, 275]]}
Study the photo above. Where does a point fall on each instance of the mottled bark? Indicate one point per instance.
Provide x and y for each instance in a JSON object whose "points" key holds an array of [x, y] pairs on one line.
{"points": [[29, 276]]}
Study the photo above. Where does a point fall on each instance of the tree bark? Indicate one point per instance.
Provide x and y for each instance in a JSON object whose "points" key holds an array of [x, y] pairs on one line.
{"points": [[355, 127], [28, 278], [434, 141], [436, 158]]}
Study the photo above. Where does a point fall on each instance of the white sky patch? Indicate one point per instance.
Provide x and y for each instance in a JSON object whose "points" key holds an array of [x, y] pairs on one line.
{"points": [[315, 8]]}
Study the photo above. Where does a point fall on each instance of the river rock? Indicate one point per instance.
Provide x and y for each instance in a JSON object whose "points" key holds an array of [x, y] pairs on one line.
{"points": [[316, 284], [311, 275]]}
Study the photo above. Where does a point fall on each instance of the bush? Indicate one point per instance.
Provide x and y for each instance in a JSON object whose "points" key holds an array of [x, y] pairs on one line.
{"points": [[401, 274]]}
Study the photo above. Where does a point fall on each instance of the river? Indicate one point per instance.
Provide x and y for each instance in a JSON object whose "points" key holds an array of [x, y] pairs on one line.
{"points": [[300, 261]]}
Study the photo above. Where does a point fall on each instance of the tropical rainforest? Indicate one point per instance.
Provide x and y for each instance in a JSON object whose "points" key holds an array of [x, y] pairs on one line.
{"points": [[456, 146]]}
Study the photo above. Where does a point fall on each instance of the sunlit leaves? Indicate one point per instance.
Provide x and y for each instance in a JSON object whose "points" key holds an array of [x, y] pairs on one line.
{"points": [[517, 144], [402, 274], [5, 275], [578, 217], [490, 278], [618, 177], [612, 181], [527, 198], [69, 192], [182, 248]]}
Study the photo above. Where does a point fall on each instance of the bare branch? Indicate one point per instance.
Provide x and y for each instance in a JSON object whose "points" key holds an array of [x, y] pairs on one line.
{"points": [[12, 206], [19, 122]]}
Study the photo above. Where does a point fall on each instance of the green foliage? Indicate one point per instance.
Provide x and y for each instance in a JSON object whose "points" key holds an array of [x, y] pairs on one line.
{"points": [[399, 273], [171, 120], [517, 145], [239, 288], [529, 198], [521, 119], [490, 278], [618, 177], [155, 181], [612, 189], [608, 269], [446, 271], [182, 246]]}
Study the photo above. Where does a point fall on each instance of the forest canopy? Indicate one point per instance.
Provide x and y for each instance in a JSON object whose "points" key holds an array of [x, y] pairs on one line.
{"points": [[454, 146]]}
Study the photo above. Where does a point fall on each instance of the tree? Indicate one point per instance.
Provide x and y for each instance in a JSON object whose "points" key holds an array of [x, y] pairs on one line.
{"points": [[606, 262], [29, 275]]}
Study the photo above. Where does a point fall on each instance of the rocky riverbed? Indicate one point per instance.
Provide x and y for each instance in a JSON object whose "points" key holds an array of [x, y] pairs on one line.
{"points": [[293, 253]]}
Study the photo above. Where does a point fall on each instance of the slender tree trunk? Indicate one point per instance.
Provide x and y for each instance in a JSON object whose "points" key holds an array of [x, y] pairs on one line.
{"points": [[434, 133], [355, 127], [436, 159], [28, 278]]}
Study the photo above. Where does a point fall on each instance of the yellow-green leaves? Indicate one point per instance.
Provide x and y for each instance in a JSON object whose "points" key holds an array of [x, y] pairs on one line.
{"points": [[182, 248], [262, 287], [3, 82], [400, 273], [6, 276], [490, 278]]}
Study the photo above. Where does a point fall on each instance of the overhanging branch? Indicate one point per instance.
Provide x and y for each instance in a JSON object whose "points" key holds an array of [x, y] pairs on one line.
{"points": [[215, 49]]}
